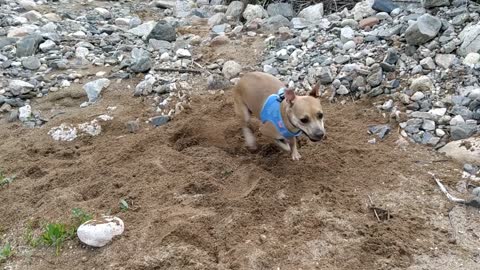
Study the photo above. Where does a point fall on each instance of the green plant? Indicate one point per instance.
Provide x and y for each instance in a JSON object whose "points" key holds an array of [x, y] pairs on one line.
{"points": [[55, 234], [124, 205], [80, 216], [4, 180], [6, 252], [30, 237]]}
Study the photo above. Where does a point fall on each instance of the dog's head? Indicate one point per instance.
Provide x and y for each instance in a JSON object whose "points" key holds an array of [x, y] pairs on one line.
{"points": [[306, 113]]}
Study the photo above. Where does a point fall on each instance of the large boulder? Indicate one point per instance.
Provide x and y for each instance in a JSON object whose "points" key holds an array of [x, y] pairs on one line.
{"points": [[254, 12], [312, 13], [163, 31], [235, 9], [423, 30], [465, 151], [470, 37], [284, 9]]}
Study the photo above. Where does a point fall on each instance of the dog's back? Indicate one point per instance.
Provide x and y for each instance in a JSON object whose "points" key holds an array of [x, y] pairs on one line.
{"points": [[254, 88]]}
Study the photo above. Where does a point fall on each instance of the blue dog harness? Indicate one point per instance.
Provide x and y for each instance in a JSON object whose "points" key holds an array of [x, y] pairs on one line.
{"points": [[271, 113]]}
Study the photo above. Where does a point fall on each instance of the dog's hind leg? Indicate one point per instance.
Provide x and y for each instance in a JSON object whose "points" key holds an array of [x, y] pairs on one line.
{"points": [[244, 116]]}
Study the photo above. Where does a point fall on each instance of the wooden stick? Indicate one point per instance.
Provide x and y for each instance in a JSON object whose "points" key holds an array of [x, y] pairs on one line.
{"points": [[374, 210], [444, 190]]}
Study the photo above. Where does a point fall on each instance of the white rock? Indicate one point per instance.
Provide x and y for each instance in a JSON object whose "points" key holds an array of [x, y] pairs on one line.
{"points": [[438, 111], [457, 119], [183, 53], [92, 128], [471, 59], [81, 52], [349, 45], [465, 151], [22, 30], [231, 69], [63, 132], [346, 34], [439, 132], [312, 13], [254, 12], [32, 16], [144, 29], [19, 85], [165, 57], [103, 12], [79, 34], [98, 233], [422, 83], [24, 113], [417, 96]]}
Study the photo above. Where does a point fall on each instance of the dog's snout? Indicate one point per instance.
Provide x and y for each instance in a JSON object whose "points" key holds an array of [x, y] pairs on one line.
{"points": [[319, 134]]}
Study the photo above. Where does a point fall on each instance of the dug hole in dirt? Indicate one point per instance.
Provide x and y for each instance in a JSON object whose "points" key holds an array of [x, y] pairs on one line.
{"points": [[199, 200]]}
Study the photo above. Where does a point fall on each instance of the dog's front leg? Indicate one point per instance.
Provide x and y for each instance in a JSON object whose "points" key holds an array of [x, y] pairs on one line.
{"points": [[293, 146]]}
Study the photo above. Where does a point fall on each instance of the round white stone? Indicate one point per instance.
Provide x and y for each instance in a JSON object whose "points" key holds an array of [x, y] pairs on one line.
{"points": [[98, 233]]}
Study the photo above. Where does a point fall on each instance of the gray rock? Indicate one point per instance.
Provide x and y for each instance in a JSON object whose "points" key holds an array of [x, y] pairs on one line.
{"points": [[160, 120], [216, 82], [28, 45], [277, 21], [133, 126], [462, 131], [422, 115], [161, 46], [231, 69], [284, 9], [18, 87], [375, 77], [94, 88], [163, 31], [435, 3], [312, 13], [218, 29], [216, 19], [470, 38], [423, 30], [376, 92], [428, 63], [428, 125], [445, 60], [325, 75], [235, 9], [31, 62], [342, 90], [269, 69], [380, 130], [141, 61], [252, 12]]}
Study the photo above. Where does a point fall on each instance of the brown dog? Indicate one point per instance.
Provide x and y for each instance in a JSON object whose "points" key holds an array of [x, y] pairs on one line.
{"points": [[284, 115]]}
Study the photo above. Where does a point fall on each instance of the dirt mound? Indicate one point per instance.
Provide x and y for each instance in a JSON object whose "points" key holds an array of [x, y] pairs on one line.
{"points": [[200, 200]]}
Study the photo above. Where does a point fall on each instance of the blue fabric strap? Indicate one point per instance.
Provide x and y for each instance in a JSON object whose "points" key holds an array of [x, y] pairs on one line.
{"points": [[271, 112]]}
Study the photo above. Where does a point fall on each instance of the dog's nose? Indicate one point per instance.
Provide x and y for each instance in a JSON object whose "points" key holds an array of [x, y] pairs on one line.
{"points": [[318, 133]]}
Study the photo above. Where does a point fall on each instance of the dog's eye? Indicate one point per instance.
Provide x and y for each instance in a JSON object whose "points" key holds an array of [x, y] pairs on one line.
{"points": [[304, 120], [320, 115]]}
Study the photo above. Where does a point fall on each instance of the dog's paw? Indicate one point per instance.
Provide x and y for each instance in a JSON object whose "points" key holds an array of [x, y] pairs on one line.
{"points": [[296, 156]]}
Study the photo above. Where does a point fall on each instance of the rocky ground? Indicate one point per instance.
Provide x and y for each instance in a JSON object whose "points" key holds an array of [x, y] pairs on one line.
{"points": [[127, 102]]}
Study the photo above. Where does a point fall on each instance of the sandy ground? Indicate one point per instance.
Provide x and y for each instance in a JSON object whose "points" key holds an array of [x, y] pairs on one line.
{"points": [[199, 200]]}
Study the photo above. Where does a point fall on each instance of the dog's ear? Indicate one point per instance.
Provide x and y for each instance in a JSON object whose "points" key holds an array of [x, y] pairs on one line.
{"points": [[315, 90], [290, 95]]}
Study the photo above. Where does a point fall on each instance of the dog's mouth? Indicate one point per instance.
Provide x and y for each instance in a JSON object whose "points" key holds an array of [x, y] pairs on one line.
{"points": [[316, 139]]}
